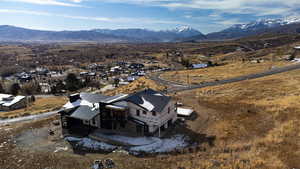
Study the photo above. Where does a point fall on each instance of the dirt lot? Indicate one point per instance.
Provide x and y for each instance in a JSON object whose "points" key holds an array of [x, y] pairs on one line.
{"points": [[28, 145]]}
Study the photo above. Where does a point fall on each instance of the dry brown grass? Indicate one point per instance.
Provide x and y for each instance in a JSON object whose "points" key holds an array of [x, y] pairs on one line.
{"points": [[256, 124], [262, 113], [141, 83], [41, 105], [220, 72], [14, 49]]}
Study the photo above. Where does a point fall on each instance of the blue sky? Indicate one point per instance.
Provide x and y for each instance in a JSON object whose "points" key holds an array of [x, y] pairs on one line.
{"points": [[204, 15]]}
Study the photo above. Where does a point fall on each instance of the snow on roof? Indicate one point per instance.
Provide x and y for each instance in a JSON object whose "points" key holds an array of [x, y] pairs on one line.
{"points": [[158, 94], [116, 98], [147, 105], [8, 103], [93, 98], [296, 60], [184, 112], [115, 107], [2, 96], [149, 99], [85, 113], [77, 103], [297, 47]]}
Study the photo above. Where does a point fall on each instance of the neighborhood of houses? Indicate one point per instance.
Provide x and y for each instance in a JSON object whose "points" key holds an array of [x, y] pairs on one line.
{"points": [[119, 73]]}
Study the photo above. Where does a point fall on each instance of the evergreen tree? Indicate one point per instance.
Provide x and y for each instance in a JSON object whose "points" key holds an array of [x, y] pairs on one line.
{"points": [[72, 82], [15, 88]]}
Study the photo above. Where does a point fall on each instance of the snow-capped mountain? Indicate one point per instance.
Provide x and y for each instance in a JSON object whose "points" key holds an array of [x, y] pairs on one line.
{"points": [[283, 25], [151, 35], [185, 31], [12, 33], [266, 23]]}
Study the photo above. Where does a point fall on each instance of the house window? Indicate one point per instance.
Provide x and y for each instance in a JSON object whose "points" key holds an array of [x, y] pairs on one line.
{"points": [[137, 112], [153, 113], [144, 112]]}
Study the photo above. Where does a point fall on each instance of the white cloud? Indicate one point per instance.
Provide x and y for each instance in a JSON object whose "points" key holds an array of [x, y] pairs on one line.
{"points": [[48, 2], [94, 18], [76, 1], [25, 12], [215, 19], [228, 22], [256, 7]]}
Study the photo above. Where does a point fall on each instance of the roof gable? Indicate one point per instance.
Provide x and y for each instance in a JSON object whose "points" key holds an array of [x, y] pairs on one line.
{"points": [[149, 99], [85, 113], [93, 98]]}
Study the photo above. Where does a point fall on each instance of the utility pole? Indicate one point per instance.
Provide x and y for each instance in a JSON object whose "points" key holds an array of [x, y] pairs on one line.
{"points": [[188, 79]]}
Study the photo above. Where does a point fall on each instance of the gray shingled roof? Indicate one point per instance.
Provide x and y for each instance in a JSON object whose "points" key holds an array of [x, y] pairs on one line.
{"points": [[115, 98], [157, 99], [85, 113], [93, 98]]}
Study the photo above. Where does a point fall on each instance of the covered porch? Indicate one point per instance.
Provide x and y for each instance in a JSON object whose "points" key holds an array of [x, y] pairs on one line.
{"points": [[79, 120]]}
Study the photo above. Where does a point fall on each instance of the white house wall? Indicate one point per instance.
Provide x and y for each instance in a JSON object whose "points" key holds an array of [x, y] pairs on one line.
{"points": [[154, 122]]}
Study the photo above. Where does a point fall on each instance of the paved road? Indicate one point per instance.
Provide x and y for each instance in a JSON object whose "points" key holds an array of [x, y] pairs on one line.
{"points": [[177, 87], [27, 118]]}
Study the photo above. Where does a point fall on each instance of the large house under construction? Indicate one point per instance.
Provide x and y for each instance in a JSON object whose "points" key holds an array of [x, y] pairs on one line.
{"points": [[142, 113]]}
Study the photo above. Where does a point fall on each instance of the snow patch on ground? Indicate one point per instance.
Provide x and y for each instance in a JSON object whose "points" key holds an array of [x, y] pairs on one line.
{"points": [[157, 145], [163, 145], [58, 149], [90, 144], [135, 141]]}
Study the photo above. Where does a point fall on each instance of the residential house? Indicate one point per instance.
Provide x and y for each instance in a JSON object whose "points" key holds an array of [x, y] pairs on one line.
{"points": [[142, 113], [199, 66], [45, 87], [296, 53], [10, 102]]}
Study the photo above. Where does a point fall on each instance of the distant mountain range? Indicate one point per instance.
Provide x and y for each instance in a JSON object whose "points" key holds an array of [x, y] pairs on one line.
{"points": [[282, 26], [154, 36], [11, 33]]}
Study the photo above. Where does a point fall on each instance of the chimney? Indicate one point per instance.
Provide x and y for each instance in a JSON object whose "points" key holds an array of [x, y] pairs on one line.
{"points": [[74, 97]]}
